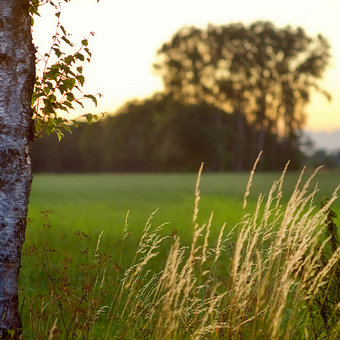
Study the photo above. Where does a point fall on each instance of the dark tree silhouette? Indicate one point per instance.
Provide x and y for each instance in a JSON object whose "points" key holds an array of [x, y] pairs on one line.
{"points": [[155, 134], [260, 71]]}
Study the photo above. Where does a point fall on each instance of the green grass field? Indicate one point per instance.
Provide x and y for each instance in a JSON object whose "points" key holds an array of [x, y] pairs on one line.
{"points": [[62, 205], [92, 203]]}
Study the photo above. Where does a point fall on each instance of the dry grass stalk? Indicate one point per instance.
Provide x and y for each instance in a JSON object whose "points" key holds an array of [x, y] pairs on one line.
{"points": [[250, 180], [197, 194]]}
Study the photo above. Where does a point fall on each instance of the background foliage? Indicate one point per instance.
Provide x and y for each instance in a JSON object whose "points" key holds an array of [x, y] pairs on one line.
{"points": [[160, 134], [229, 92]]}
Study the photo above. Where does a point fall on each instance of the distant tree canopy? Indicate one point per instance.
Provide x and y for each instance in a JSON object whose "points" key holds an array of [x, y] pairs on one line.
{"points": [[158, 134], [264, 72], [230, 91]]}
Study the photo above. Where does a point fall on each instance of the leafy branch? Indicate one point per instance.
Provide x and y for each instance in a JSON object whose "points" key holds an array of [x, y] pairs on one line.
{"points": [[58, 88]]}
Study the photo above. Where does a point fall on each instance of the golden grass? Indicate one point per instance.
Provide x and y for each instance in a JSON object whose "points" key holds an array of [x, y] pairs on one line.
{"points": [[274, 270], [255, 283]]}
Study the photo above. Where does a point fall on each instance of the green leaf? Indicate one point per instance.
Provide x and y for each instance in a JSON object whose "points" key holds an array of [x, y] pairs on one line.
{"points": [[80, 56], [88, 51], [68, 42], [57, 52], [75, 123], [68, 59], [49, 129], [62, 107], [89, 117], [93, 98], [46, 90], [53, 73], [52, 98], [66, 127], [70, 96], [49, 84], [80, 103], [36, 95], [69, 83], [63, 29], [59, 133], [68, 104], [58, 120], [84, 42], [81, 79]]}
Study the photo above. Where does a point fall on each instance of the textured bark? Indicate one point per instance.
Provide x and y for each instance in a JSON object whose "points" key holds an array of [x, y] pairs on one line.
{"points": [[17, 74]]}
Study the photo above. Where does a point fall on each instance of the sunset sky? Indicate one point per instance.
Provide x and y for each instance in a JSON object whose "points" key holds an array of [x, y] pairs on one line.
{"points": [[129, 32]]}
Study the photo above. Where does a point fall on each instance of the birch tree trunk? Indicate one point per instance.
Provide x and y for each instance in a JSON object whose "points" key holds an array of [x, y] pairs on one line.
{"points": [[17, 76]]}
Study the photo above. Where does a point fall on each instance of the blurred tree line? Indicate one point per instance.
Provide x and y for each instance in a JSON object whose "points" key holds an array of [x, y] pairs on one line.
{"points": [[229, 92], [159, 134], [330, 160]]}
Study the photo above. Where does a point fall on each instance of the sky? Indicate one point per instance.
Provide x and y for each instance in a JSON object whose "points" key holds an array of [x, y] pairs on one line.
{"points": [[128, 34]]}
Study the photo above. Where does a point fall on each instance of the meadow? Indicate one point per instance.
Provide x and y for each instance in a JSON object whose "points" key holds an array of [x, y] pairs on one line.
{"points": [[68, 213], [100, 202]]}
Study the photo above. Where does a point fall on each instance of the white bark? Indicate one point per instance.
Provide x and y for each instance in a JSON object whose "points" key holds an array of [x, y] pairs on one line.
{"points": [[17, 74]]}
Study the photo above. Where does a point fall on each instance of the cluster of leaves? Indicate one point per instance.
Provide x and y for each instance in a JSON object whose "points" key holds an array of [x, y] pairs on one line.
{"points": [[59, 80]]}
